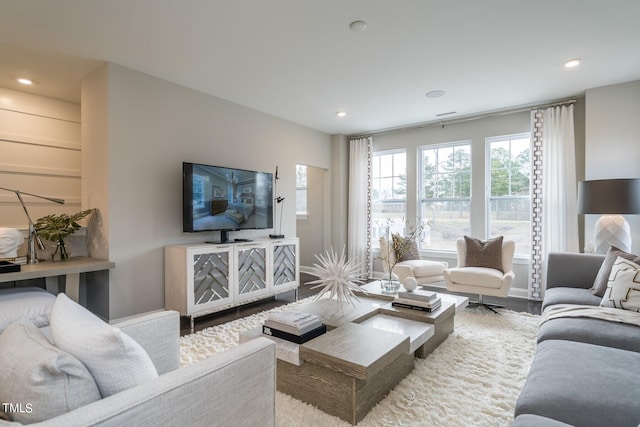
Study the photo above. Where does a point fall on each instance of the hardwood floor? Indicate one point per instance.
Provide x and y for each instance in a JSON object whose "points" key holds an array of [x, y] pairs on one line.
{"points": [[304, 291]]}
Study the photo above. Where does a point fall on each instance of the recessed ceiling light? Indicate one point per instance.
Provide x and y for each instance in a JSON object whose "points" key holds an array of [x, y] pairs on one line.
{"points": [[25, 81], [434, 94], [358, 26], [572, 63], [341, 113]]}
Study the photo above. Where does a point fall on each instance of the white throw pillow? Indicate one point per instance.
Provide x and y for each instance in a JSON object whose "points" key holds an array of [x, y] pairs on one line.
{"points": [[114, 359], [39, 381], [623, 287], [25, 302]]}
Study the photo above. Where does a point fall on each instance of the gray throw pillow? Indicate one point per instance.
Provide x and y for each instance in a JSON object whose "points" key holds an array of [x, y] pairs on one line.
{"points": [[484, 253], [405, 248], [600, 284], [43, 380]]}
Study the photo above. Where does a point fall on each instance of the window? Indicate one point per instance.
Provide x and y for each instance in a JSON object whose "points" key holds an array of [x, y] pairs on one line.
{"points": [[198, 192], [388, 193], [509, 198], [301, 190], [445, 194]]}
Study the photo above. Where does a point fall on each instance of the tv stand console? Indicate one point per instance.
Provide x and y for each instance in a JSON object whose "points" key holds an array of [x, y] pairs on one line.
{"points": [[201, 279]]}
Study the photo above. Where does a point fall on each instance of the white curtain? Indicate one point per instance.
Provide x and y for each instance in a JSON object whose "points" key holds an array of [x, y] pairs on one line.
{"points": [[359, 212], [554, 207]]}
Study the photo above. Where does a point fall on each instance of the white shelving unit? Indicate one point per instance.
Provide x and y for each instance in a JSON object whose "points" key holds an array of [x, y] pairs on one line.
{"points": [[205, 278]]}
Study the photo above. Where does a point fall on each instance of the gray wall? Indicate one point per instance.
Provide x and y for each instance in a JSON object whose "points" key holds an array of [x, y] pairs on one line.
{"points": [[613, 142], [137, 131], [311, 228]]}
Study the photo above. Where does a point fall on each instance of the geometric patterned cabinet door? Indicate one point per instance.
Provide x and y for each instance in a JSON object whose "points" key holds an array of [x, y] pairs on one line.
{"points": [[285, 264], [210, 277], [251, 268]]}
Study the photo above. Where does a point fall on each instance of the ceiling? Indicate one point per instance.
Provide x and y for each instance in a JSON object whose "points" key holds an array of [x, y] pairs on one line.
{"points": [[298, 59]]}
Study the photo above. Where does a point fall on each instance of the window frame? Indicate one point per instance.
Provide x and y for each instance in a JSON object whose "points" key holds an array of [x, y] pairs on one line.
{"points": [[488, 182], [374, 225], [302, 214]]}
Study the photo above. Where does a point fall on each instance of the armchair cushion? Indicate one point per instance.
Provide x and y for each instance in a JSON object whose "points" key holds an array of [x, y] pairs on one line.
{"points": [[405, 248], [488, 277], [423, 268], [35, 373], [484, 253], [114, 359]]}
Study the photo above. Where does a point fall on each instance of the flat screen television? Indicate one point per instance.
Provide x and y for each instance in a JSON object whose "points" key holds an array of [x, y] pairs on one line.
{"points": [[216, 198]]}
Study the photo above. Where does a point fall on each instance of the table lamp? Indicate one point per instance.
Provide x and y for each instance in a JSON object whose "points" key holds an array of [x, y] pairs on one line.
{"points": [[33, 234], [611, 198]]}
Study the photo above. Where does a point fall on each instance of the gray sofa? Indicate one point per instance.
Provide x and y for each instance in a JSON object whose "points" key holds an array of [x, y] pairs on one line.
{"points": [[233, 388], [586, 371]]}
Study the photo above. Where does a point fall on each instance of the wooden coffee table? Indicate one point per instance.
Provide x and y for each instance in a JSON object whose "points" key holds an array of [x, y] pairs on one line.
{"points": [[366, 352]]}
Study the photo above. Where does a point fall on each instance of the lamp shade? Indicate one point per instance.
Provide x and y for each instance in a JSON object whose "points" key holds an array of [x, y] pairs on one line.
{"points": [[609, 196]]}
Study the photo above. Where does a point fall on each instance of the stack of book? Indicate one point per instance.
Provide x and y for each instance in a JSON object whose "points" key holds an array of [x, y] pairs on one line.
{"points": [[418, 300], [293, 326]]}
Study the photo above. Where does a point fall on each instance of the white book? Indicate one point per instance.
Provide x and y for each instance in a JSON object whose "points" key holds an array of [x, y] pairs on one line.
{"points": [[294, 318], [292, 329], [419, 294], [434, 304]]}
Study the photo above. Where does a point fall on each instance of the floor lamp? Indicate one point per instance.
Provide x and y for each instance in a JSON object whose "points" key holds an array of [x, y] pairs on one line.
{"points": [[33, 234], [610, 198]]}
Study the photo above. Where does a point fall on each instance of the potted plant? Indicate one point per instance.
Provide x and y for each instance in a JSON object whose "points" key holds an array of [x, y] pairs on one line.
{"points": [[56, 228]]}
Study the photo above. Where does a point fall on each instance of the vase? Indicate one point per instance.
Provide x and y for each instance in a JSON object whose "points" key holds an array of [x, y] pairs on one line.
{"points": [[61, 251], [389, 286]]}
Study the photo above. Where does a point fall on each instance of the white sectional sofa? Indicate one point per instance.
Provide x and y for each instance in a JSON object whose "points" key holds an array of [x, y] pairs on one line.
{"points": [[233, 388]]}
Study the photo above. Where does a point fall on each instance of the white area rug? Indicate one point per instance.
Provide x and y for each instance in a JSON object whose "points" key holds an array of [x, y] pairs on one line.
{"points": [[472, 379]]}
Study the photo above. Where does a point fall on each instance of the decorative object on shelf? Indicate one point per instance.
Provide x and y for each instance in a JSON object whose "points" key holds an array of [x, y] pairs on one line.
{"points": [[338, 276], [10, 241], [395, 248], [277, 233], [33, 234], [56, 228], [410, 283], [611, 198]]}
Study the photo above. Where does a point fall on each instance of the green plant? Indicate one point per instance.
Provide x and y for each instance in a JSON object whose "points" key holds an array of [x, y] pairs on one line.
{"points": [[56, 228]]}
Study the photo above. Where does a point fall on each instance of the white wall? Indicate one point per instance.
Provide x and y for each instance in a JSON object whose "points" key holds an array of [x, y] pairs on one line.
{"points": [[612, 142], [150, 126], [311, 228], [39, 154]]}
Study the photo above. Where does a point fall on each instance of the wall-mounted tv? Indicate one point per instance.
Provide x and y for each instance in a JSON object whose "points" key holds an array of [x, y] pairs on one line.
{"points": [[216, 198]]}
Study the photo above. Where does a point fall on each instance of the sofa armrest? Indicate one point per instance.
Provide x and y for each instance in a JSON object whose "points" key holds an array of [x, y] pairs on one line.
{"points": [[572, 270], [158, 332], [232, 388]]}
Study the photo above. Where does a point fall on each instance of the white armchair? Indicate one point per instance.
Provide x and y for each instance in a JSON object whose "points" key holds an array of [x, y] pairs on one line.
{"points": [[481, 280], [424, 271]]}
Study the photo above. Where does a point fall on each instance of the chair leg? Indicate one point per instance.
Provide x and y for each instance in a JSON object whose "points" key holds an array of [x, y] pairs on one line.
{"points": [[481, 303]]}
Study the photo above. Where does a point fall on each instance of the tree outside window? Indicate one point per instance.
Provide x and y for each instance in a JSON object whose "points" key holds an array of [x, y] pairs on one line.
{"points": [[509, 201], [445, 176], [388, 193]]}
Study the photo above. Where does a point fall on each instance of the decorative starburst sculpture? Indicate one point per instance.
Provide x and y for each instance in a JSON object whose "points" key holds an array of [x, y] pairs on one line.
{"points": [[338, 276]]}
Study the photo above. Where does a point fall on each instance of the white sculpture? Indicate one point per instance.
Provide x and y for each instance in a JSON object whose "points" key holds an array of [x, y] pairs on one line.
{"points": [[10, 241]]}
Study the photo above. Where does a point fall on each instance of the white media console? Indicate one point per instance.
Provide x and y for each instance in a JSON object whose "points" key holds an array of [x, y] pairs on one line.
{"points": [[205, 278]]}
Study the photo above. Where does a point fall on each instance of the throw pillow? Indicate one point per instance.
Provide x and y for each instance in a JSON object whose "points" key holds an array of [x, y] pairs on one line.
{"points": [[484, 253], [39, 380], [623, 288], [115, 360], [405, 248], [25, 302], [600, 284]]}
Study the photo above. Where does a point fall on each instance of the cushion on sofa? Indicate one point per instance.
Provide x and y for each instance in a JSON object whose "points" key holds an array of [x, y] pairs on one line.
{"points": [[578, 296], [26, 302], [115, 360], [582, 384], [623, 288], [44, 380], [592, 331], [600, 283]]}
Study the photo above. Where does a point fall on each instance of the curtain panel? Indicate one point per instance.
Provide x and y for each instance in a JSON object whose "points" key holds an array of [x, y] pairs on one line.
{"points": [[554, 216], [359, 209]]}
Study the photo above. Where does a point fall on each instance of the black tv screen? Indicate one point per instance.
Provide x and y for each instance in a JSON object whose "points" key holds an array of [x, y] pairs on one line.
{"points": [[216, 198]]}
